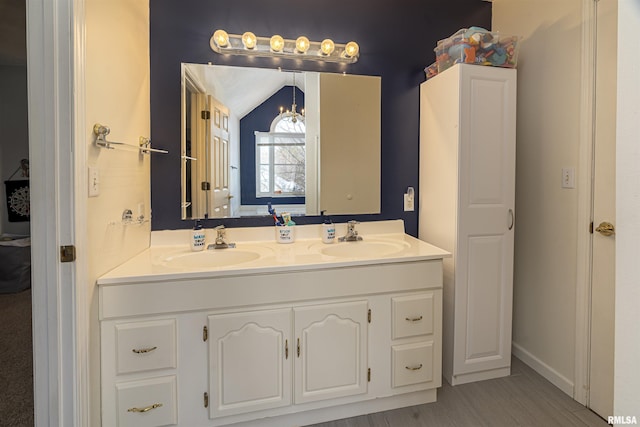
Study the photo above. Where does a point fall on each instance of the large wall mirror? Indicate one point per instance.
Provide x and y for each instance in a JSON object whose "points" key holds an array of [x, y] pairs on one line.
{"points": [[302, 141]]}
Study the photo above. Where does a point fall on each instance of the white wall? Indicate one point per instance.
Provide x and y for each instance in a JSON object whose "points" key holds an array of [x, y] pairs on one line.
{"points": [[14, 136], [549, 69], [117, 95], [627, 315]]}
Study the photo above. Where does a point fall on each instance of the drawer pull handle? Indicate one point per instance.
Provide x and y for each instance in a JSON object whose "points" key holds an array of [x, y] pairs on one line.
{"points": [[413, 319], [143, 350], [146, 409], [414, 368]]}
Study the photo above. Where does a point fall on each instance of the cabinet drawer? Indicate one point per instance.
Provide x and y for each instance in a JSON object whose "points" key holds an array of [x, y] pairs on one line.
{"points": [[412, 315], [143, 346], [147, 403], [412, 363]]}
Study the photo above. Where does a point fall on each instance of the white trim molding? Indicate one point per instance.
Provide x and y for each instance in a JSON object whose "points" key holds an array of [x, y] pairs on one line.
{"points": [[556, 378], [59, 383], [585, 203], [82, 395]]}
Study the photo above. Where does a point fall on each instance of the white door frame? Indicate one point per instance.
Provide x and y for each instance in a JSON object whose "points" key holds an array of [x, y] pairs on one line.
{"points": [[585, 204], [55, 40]]}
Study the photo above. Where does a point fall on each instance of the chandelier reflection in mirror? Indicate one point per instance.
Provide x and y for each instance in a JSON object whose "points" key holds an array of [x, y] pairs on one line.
{"points": [[278, 47], [281, 154], [293, 116]]}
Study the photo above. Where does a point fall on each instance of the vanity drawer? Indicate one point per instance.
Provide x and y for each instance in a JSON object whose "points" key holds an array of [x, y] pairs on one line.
{"points": [[412, 315], [144, 346], [147, 403], [412, 363]]}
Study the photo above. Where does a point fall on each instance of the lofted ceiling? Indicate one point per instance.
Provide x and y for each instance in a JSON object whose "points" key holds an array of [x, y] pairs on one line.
{"points": [[13, 40], [243, 89]]}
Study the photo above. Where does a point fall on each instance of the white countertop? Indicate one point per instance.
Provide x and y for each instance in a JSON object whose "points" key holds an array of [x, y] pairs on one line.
{"points": [[304, 254]]}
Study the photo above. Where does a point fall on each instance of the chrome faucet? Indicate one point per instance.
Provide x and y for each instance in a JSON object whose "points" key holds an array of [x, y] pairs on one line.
{"points": [[352, 233], [220, 242]]}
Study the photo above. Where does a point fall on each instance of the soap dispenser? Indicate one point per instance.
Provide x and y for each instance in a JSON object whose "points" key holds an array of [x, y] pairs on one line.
{"points": [[328, 229], [197, 237]]}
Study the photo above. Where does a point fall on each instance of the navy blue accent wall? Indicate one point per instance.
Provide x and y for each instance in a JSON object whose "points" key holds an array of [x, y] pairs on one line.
{"points": [[260, 120], [396, 41]]}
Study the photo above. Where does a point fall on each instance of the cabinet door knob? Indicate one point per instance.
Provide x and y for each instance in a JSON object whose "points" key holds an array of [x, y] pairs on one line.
{"points": [[413, 319], [286, 349], [413, 368], [298, 347]]}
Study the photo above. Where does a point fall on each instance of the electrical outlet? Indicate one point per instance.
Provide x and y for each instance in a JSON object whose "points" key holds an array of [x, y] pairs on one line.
{"points": [[568, 178], [94, 182], [408, 203]]}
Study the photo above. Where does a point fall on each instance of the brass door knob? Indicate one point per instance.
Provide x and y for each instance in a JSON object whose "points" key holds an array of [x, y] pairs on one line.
{"points": [[606, 229]]}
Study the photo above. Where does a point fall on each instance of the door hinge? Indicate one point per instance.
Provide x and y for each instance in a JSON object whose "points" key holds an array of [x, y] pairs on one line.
{"points": [[205, 186], [67, 253], [591, 227], [205, 333], [369, 316], [205, 114], [369, 375], [206, 399]]}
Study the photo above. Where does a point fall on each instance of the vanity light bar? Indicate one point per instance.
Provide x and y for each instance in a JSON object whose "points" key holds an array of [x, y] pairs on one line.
{"points": [[278, 47]]}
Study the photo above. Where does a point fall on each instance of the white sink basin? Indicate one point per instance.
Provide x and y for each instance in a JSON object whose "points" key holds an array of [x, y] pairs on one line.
{"points": [[363, 248], [213, 258]]}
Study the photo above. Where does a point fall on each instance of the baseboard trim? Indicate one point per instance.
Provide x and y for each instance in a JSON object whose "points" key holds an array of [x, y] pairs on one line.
{"points": [[543, 369]]}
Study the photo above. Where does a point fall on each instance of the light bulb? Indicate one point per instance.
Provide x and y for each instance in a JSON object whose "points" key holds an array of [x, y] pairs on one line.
{"points": [[351, 49], [276, 43], [327, 46], [302, 44], [249, 40], [221, 37]]}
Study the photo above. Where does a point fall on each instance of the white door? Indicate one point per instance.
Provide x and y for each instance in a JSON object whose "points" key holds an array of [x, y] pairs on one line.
{"points": [[56, 156], [331, 351], [486, 219], [199, 150], [603, 256], [219, 159], [249, 361]]}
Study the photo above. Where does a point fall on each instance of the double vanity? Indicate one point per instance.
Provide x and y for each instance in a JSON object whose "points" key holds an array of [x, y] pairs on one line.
{"points": [[268, 334]]}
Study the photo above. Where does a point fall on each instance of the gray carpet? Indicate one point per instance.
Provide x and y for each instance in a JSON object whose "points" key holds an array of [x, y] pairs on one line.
{"points": [[16, 360]]}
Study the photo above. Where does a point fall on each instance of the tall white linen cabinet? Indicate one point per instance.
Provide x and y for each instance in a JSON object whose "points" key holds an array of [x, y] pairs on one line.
{"points": [[466, 206]]}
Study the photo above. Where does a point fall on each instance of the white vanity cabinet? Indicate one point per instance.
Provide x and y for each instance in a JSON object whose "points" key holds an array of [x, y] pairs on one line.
{"points": [[250, 355], [467, 199], [331, 351], [282, 347], [139, 362], [253, 356]]}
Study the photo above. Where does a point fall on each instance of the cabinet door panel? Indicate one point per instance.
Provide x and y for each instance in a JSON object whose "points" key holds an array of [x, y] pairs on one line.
{"points": [[333, 351], [147, 403], [143, 346], [484, 259], [249, 364], [412, 315], [413, 364]]}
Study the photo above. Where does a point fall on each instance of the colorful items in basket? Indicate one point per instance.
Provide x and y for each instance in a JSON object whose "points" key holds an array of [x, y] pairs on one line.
{"points": [[477, 45], [431, 70]]}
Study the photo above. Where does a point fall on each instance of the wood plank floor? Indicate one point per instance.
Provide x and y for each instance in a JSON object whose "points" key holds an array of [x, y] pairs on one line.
{"points": [[523, 399]]}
